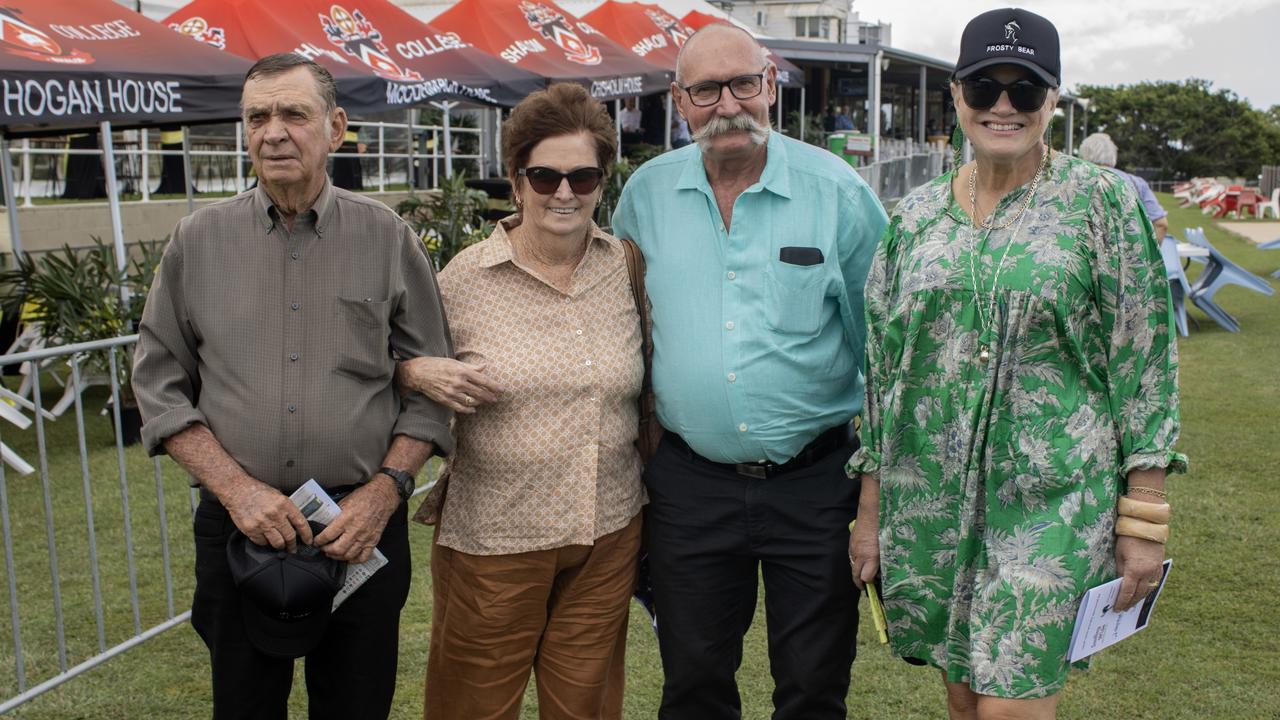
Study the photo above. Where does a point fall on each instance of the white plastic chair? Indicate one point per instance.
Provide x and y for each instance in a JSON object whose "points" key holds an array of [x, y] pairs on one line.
{"points": [[1260, 210]]}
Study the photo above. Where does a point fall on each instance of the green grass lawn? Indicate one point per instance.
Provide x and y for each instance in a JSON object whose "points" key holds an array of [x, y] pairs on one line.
{"points": [[1211, 651]]}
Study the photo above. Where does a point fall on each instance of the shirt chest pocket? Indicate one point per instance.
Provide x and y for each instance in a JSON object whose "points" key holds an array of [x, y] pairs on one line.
{"points": [[362, 338], [794, 294]]}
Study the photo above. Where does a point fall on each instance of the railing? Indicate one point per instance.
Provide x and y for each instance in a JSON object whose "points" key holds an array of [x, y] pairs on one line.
{"points": [[221, 164], [903, 167], [88, 549]]}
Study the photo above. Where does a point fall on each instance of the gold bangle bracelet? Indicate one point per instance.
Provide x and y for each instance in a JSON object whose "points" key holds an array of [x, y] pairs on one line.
{"points": [[1148, 490], [1151, 512], [1142, 529]]}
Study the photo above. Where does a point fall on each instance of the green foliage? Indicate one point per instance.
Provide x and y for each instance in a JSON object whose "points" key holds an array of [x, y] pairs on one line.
{"points": [[448, 219], [1181, 129], [76, 296], [813, 132]]}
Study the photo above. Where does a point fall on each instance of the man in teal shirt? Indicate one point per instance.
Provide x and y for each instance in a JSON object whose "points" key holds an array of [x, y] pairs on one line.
{"points": [[757, 248]]}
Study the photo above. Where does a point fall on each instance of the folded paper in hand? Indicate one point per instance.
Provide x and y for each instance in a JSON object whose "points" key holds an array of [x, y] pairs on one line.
{"points": [[1098, 625], [316, 505]]}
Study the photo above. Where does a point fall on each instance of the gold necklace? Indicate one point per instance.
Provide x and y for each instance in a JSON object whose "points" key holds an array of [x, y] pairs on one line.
{"points": [[987, 320], [973, 196]]}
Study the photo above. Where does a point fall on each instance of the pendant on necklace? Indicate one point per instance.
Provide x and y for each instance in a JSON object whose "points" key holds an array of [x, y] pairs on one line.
{"points": [[984, 355]]}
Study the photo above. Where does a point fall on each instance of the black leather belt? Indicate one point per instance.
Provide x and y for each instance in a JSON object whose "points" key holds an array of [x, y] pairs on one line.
{"points": [[823, 445]]}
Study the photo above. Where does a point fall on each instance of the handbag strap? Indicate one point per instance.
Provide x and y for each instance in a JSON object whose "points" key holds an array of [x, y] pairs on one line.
{"points": [[635, 269]]}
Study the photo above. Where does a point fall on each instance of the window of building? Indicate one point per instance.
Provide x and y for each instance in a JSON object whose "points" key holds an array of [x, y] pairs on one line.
{"points": [[813, 27]]}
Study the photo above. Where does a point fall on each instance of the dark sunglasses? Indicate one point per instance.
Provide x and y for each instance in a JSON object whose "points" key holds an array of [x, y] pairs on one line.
{"points": [[980, 93], [546, 181]]}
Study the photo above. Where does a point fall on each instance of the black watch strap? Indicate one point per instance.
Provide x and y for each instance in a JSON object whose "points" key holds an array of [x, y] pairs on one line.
{"points": [[403, 480]]}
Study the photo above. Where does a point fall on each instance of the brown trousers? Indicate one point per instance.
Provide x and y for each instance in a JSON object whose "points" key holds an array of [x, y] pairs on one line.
{"points": [[560, 612]]}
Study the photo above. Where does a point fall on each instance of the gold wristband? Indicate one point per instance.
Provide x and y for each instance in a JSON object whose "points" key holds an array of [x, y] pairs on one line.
{"points": [[1148, 490], [1151, 512], [1133, 527]]}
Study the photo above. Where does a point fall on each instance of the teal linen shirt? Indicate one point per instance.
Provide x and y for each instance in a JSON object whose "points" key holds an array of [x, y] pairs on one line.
{"points": [[754, 356]]}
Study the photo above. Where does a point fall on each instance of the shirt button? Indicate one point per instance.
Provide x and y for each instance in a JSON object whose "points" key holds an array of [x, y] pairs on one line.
{"points": [[728, 325], [288, 463], [565, 300], [579, 332], [733, 377], [293, 255], [293, 356], [731, 274], [293, 408], [588, 363], [742, 427], [295, 306]]}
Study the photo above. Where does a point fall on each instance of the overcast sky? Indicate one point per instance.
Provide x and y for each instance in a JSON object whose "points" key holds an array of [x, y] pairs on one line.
{"points": [[1233, 43]]}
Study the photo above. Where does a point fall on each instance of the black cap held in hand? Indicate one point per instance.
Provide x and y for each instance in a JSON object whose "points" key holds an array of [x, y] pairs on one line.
{"points": [[286, 597], [1010, 37]]}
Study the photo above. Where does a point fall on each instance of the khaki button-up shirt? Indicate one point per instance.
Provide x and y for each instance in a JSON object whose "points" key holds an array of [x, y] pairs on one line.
{"points": [[281, 342], [553, 463]]}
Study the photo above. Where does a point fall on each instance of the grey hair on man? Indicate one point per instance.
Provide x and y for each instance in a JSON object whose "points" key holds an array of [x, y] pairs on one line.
{"points": [[281, 63], [1099, 149]]}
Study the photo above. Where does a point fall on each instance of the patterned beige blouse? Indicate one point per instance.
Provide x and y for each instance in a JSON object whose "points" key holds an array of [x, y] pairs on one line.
{"points": [[553, 463]]}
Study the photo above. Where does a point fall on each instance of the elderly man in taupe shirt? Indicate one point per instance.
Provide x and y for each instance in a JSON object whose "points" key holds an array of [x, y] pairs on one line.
{"points": [[266, 358]]}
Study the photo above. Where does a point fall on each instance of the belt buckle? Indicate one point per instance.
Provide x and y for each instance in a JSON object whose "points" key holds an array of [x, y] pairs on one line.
{"points": [[752, 470]]}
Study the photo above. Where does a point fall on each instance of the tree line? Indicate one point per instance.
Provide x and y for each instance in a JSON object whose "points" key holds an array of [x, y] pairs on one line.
{"points": [[1176, 130]]}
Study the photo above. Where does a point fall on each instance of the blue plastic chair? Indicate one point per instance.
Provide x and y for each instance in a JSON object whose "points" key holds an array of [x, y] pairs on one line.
{"points": [[1179, 288], [1196, 236], [1272, 245], [1220, 271]]}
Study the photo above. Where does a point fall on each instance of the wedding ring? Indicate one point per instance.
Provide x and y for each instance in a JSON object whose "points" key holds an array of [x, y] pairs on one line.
{"points": [[1153, 584], [468, 400]]}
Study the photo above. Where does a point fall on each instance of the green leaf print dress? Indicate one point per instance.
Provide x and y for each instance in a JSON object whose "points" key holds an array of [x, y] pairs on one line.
{"points": [[999, 474]]}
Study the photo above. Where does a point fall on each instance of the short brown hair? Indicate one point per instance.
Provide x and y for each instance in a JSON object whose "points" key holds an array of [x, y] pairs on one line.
{"points": [[281, 63], [561, 109]]}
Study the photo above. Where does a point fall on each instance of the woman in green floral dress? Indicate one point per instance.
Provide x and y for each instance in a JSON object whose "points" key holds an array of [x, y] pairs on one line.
{"points": [[1021, 377]]}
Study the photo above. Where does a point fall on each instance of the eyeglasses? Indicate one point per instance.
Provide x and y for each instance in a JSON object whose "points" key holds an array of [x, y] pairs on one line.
{"points": [[743, 87], [980, 93], [545, 181]]}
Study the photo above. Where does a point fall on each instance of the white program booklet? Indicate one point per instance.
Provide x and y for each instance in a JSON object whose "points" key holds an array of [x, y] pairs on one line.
{"points": [[1098, 625], [316, 505]]}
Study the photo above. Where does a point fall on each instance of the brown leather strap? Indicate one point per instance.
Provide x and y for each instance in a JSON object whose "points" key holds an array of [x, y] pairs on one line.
{"points": [[650, 430], [635, 269]]}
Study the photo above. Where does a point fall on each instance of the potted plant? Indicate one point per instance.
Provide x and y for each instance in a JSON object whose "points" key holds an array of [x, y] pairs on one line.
{"points": [[76, 296]]}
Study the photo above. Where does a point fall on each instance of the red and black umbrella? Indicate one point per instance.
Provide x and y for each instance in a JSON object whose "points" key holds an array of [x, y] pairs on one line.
{"points": [[381, 56], [645, 29], [74, 63], [537, 35]]}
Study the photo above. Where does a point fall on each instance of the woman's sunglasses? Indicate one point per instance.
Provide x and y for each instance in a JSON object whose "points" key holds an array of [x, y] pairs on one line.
{"points": [[980, 93], [546, 181]]}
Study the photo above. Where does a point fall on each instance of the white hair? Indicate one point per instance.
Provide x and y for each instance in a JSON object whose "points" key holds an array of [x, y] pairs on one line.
{"points": [[1099, 150]]}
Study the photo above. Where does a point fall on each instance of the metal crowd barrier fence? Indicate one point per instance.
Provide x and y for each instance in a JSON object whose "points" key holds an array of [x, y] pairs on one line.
{"points": [[893, 178], [223, 167], [89, 553]]}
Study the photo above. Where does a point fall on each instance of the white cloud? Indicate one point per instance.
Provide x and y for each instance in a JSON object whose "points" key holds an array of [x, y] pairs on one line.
{"points": [[1109, 41]]}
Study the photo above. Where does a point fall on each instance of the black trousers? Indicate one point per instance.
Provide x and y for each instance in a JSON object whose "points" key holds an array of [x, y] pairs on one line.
{"points": [[710, 533], [352, 674]]}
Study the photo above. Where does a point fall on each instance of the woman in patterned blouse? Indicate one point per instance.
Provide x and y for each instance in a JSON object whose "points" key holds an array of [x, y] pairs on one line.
{"points": [[1021, 378], [534, 557]]}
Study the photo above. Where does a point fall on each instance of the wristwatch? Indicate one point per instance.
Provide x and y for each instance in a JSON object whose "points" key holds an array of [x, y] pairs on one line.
{"points": [[403, 480]]}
